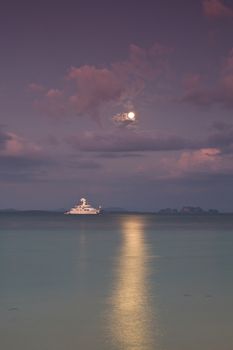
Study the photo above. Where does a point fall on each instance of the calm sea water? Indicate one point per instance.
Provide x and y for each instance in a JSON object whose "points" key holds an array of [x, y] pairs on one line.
{"points": [[115, 282]]}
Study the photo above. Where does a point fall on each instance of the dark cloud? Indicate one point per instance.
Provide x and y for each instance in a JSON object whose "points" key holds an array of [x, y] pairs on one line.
{"points": [[125, 142], [83, 164], [219, 93], [115, 155], [37, 168], [128, 141], [23, 168], [23, 162], [201, 97], [221, 137], [204, 180], [4, 137], [207, 97], [20, 160], [19, 177]]}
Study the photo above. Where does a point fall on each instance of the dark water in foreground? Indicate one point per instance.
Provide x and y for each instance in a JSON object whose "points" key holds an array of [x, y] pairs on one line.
{"points": [[115, 282]]}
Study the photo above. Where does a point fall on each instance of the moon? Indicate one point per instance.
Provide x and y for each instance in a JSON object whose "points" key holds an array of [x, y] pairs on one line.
{"points": [[131, 115]]}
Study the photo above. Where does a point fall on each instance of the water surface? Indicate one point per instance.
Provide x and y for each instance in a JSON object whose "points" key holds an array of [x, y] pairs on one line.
{"points": [[115, 282]]}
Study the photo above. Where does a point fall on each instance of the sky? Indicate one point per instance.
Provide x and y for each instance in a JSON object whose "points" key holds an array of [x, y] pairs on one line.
{"points": [[72, 70]]}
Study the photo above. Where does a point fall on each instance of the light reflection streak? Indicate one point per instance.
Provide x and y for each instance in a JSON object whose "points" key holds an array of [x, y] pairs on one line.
{"points": [[132, 323]]}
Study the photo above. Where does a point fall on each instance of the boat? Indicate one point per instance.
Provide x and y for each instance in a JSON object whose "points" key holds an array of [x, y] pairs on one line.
{"points": [[83, 208]]}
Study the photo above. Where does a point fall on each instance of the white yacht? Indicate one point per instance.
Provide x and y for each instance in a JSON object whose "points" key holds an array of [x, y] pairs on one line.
{"points": [[83, 208]]}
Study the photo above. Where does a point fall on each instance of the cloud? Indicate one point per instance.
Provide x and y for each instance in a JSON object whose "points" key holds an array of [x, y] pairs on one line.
{"points": [[73, 162], [214, 156], [89, 89], [20, 159], [23, 168], [218, 141], [36, 87], [221, 93], [201, 97], [221, 137], [53, 103], [14, 145], [95, 87], [23, 161], [128, 141], [192, 81], [194, 167], [125, 119], [116, 155], [203, 167], [203, 159], [4, 138], [216, 9]]}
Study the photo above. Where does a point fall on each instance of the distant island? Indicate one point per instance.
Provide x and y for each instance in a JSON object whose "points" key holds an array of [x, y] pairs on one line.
{"points": [[186, 210]]}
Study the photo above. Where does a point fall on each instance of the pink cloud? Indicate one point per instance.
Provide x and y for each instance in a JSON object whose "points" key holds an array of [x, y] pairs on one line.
{"points": [[214, 155], [195, 164], [216, 9], [94, 87], [121, 82], [17, 146], [202, 159], [90, 89], [54, 93], [36, 87]]}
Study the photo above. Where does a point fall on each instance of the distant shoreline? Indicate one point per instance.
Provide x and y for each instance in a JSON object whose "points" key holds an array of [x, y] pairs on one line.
{"points": [[125, 212]]}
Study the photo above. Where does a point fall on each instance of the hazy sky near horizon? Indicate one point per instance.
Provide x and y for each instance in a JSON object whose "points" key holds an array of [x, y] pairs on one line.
{"points": [[69, 67]]}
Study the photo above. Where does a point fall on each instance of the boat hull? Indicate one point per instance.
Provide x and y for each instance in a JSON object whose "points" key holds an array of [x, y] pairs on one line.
{"points": [[68, 213]]}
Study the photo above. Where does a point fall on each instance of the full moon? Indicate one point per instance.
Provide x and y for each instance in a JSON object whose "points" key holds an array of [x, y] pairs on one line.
{"points": [[131, 115]]}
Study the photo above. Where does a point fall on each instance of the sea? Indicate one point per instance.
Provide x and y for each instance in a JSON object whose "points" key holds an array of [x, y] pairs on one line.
{"points": [[115, 282]]}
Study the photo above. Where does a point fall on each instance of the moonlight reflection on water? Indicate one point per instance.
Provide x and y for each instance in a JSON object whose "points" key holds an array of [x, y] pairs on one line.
{"points": [[133, 326]]}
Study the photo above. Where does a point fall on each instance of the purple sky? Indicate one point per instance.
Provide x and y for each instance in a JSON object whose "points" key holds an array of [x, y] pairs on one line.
{"points": [[68, 69]]}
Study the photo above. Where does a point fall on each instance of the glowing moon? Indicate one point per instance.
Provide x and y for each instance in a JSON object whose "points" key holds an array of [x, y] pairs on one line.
{"points": [[131, 115]]}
